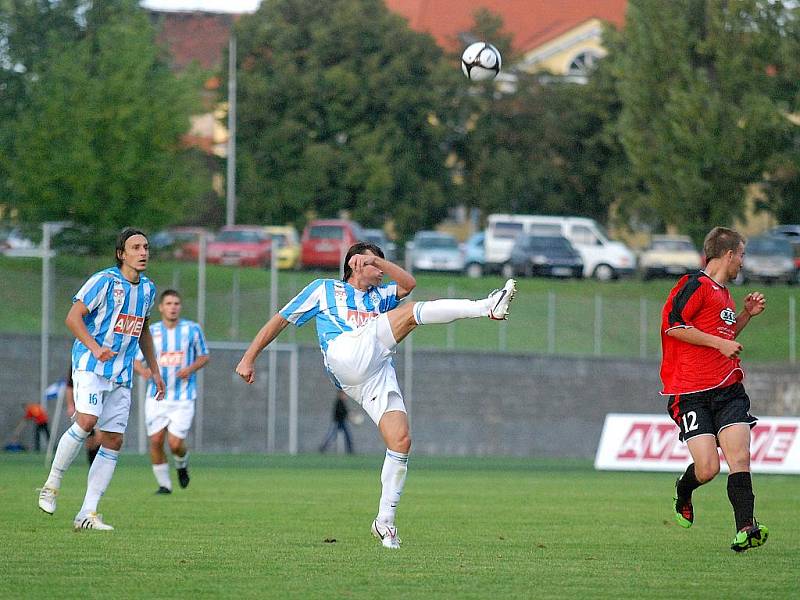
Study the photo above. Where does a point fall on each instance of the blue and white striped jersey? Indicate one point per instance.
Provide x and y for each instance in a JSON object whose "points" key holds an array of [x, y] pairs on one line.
{"points": [[176, 348], [117, 312], [338, 307]]}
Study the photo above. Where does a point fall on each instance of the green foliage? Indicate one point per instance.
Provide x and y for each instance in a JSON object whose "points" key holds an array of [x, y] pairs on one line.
{"points": [[99, 117], [335, 102], [703, 116]]}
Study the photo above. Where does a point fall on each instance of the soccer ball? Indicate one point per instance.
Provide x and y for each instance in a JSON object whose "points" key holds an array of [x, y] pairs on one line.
{"points": [[481, 61]]}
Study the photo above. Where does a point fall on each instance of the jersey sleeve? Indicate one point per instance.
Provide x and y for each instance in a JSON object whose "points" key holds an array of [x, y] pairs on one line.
{"points": [[686, 304], [199, 341], [139, 355], [93, 291], [305, 305], [152, 300], [389, 299]]}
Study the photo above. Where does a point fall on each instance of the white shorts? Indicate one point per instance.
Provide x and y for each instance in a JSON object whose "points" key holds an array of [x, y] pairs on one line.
{"points": [[361, 361], [109, 402], [174, 416]]}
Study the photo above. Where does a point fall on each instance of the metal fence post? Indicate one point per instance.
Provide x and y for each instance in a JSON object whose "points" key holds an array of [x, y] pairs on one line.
{"points": [[551, 322], [642, 327], [598, 325], [451, 331], [792, 330]]}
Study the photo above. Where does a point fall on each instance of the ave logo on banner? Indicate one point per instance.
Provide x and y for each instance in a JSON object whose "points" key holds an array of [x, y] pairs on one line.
{"points": [[650, 443]]}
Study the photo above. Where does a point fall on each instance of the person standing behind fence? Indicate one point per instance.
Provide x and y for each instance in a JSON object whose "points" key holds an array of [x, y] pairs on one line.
{"points": [[339, 424], [109, 319], [359, 323], [702, 376], [181, 351]]}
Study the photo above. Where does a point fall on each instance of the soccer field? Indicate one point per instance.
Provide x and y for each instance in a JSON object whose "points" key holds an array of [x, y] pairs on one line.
{"points": [[264, 527]]}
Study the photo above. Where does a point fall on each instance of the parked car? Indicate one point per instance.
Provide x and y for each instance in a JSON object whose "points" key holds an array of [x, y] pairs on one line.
{"points": [[325, 242], [669, 255], [543, 256], [602, 257], [768, 259], [435, 251], [791, 233], [378, 237], [179, 242], [286, 244], [243, 245], [77, 239], [15, 242], [474, 255]]}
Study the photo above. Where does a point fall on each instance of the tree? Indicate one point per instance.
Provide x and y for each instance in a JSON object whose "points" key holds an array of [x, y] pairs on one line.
{"points": [[701, 113], [340, 109], [96, 138]]}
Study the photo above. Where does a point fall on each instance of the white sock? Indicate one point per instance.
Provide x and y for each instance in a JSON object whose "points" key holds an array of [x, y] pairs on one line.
{"points": [[447, 311], [69, 446], [181, 462], [161, 471], [393, 478], [100, 474]]}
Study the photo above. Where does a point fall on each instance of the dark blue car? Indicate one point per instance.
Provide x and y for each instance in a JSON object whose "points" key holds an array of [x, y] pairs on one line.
{"points": [[543, 256]]}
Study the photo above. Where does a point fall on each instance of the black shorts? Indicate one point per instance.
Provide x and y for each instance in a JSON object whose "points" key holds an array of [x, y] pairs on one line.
{"points": [[709, 412]]}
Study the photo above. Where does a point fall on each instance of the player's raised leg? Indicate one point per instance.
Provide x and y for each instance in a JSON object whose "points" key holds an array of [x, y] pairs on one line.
{"points": [[404, 319]]}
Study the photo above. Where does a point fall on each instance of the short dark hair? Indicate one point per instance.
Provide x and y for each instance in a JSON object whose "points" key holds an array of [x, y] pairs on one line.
{"points": [[359, 248], [169, 292], [719, 240], [123, 236]]}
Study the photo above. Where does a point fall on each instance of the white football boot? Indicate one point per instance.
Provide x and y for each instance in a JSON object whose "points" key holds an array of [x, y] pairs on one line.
{"points": [[500, 299], [91, 521], [387, 534], [47, 499]]}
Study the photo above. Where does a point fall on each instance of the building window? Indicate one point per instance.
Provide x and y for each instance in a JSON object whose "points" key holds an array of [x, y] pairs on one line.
{"points": [[582, 65]]}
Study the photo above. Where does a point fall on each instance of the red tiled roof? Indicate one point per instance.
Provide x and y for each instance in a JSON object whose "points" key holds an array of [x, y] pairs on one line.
{"points": [[194, 36], [531, 22]]}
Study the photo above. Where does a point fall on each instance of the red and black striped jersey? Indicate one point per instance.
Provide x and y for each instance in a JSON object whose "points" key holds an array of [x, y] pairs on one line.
{"points": [[700, 302]]}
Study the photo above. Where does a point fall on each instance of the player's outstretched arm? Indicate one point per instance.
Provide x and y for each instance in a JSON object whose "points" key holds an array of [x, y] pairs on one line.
{"points": [[271, 329]]}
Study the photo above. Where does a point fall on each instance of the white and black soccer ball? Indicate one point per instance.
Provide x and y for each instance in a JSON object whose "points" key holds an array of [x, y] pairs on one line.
{"points": [[481, 61]]}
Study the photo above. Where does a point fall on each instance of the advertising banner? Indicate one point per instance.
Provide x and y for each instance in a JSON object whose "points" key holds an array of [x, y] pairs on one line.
{"points": [[632, 442]]}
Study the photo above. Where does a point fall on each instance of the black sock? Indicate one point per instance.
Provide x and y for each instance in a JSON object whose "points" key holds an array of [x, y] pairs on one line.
{"points": [[687, 484], [740, 493]]}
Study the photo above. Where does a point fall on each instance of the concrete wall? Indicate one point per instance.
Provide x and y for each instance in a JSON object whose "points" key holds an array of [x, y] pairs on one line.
{"points": [[463, 403]]}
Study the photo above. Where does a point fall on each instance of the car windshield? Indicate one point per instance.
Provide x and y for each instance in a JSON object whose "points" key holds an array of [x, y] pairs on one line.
{"points": [[326, 232], [544, 243], [240, 236], [436, 242], [279, 239], [769, 246], [672, 246], [374, 237], [505, 230]]}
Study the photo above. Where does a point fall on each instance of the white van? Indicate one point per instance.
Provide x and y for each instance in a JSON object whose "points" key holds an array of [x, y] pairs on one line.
{"points": [[602, 258]]}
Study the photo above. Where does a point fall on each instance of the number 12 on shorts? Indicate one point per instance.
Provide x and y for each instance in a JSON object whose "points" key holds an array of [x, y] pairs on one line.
{"points": [[689, 422]]}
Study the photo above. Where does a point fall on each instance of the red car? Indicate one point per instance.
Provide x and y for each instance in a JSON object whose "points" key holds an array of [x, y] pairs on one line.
{"points": [[243, 245], [325, 242]]}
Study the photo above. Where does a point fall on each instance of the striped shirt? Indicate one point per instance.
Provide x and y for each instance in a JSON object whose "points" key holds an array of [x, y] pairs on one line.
{"points": [[176, 348], [338, 307], [117, 312]]}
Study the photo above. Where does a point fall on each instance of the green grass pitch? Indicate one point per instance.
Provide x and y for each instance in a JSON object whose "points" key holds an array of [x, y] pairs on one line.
{"points": [[262, 527]]}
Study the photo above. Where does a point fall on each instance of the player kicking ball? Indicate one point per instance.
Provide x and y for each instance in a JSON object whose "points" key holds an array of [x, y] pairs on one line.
{"points": [[702, 376], [109, 319], [181, 351], [359, 322]]}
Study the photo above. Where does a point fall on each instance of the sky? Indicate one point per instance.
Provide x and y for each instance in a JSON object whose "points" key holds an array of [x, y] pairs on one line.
{"points": [[234, 6]]}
